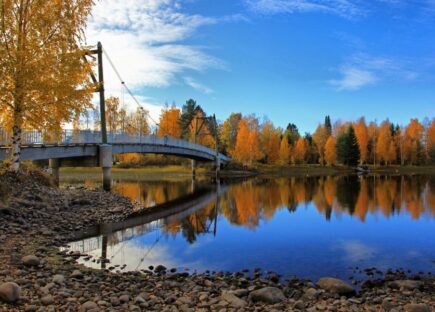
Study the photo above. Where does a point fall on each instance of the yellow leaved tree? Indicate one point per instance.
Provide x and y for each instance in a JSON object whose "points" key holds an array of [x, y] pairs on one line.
{"points": [[44, 81]]}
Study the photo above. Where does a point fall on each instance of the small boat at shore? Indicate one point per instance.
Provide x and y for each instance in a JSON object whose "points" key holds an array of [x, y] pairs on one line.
{"points": [[362, 170]]}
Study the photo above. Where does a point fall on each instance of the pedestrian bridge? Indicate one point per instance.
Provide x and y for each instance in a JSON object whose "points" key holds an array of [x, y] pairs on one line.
{"points": [[85, 143]]}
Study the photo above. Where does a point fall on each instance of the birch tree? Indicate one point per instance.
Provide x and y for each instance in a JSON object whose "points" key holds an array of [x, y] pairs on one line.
{"points": [[44, 81]]}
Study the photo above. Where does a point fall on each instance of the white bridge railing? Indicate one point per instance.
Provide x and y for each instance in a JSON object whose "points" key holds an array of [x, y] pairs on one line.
{"points": [[69, 137]]}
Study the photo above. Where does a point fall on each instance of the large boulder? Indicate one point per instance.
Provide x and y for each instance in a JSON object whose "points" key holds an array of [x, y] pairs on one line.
{"points": [[336, 286], [405, 284], [31, 261], [270, 295], [233, 300], [9, 292]]}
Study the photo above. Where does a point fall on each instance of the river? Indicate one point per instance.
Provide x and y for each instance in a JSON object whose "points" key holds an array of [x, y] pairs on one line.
{"points": [[307, 227]]}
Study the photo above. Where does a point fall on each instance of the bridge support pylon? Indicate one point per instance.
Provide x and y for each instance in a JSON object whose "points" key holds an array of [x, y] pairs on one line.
{"points": [[218, 167], [106, 162], [193, 168], [54, 164]]}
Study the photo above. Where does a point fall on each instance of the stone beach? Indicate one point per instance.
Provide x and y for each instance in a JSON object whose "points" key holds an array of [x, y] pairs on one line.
{"points": [[36, 219]]}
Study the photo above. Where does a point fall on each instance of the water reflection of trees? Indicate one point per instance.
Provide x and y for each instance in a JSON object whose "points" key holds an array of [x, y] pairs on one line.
{"points": [[246, 204]]}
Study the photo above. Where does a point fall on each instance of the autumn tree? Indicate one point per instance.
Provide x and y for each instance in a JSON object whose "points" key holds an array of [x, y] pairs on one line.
{"points": [[385, 147], [330, 153], [242, 150], [320, 136], [169, 123], [299, 151], [200, 129], [255, 153], [362, 138], [273, 148], [112, 113], [431, 141], [412, 142], [44, 81], [284, 151], [229, 132]]}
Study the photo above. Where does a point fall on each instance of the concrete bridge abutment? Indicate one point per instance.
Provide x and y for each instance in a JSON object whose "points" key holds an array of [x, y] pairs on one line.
{"points": [[106, 163], [54, 165]]}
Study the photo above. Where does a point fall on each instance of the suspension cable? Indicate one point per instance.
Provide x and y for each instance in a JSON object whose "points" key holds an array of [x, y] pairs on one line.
{"points": [[125, 85]]}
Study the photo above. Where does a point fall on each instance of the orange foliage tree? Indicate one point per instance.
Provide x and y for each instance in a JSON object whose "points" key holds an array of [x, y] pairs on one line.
{"points": [[241, 151], [273, 149], [284, 151], [170, 123], [385, 146], [412, 141], [330, 153], [300, 151], [362, 138]]}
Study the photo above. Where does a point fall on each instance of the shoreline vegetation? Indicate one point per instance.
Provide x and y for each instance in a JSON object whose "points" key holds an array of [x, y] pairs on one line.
{"points": [[236, 171], [35, 275]]}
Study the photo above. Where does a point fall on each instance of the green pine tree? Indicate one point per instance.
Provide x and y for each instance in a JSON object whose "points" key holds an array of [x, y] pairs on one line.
{"points": [[347, 148]]}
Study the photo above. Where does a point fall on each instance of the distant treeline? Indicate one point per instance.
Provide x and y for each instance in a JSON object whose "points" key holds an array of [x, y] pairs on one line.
{"points": [[247, 139]]}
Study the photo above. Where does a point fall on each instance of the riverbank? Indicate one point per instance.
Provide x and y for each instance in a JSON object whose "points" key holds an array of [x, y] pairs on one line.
{"points": [[153, 172], [37, 219]]}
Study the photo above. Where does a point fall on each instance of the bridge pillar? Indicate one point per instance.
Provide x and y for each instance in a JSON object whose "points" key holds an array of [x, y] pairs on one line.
{"points": [[193, 168], [218, 167], [54, 164], [106, 162]]}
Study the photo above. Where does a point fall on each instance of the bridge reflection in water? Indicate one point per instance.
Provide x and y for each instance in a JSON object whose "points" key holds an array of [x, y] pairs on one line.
{"points": [[296, 224], [147, 221]]}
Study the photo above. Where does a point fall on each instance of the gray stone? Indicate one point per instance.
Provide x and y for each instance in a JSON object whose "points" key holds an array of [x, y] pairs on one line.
{"points": [[336, 286], [299, 305], [77, 274], [139, 300], [268, 295], [405, 284], [417, 307], [311, 293], [88, 305], [47, 300], [233, 300], [124, 298], [58, 279], [9, 292], [31, 261]]}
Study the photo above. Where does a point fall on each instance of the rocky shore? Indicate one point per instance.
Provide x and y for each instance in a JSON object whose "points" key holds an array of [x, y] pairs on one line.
{"points": [[37, 218]]}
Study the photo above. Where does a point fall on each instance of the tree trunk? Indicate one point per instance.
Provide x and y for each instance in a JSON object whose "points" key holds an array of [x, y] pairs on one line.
{"points": [[16, 148]]}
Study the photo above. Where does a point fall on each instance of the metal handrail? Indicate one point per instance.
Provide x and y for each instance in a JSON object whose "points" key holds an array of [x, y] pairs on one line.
{"points": [[67, 137]]}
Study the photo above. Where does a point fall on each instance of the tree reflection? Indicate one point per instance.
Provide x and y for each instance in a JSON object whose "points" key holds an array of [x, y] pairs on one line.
{"points": [[248, 203]]}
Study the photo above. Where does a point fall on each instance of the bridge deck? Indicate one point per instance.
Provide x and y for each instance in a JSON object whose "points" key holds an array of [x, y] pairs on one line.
{"points": [[70, 144]]}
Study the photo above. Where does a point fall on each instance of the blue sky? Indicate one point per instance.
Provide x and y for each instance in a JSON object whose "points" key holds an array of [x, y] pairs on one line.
{"points": [[289, 60]]}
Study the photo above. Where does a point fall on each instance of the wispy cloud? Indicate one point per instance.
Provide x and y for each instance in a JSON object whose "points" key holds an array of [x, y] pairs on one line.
{"points": [[355, 251], [354, 78], [197, 86], [345, 8], [147, 42], [362, 70]]}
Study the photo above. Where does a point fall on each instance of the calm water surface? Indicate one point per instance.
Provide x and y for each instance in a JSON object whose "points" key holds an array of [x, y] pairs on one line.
{"points": [[307, 227]]}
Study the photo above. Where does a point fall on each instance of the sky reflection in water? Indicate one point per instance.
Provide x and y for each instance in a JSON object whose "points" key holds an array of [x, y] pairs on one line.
{"points": [[308, 227]]}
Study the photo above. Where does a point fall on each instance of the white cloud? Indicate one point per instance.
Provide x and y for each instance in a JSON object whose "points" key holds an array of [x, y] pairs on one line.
{"points": [[362, 70], [197, 86], [355, 251], [345, 8], [145, 40], [354, 78]]}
